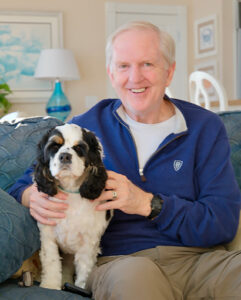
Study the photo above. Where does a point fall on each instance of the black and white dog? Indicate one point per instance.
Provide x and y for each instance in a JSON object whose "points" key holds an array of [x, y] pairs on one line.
{"points": [[70, 159]]}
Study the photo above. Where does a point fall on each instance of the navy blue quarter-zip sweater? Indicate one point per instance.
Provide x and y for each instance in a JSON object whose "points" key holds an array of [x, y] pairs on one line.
{"points": [[190, 170]]}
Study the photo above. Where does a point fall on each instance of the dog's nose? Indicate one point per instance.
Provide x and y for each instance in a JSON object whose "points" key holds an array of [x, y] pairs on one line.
{"points": [[65, 158]]}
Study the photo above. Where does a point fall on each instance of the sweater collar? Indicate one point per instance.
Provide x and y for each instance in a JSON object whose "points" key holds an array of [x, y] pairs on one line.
{"points": [[180, 125]]}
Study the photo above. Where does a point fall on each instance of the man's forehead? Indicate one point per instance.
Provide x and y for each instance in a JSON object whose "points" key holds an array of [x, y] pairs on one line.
{"points": [[136, 31], [130, 54], [129, 39]]}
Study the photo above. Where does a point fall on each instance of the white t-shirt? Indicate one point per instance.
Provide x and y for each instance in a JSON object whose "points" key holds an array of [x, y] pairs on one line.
{"points": [[149, 136]]}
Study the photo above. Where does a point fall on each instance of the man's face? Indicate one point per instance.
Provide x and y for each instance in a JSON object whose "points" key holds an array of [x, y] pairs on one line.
{"points": [[139, 73]]}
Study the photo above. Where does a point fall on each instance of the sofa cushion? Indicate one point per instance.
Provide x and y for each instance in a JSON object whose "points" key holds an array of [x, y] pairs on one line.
{"points": [[232, 122], [18, 146], [11, 290], [19, 235]]}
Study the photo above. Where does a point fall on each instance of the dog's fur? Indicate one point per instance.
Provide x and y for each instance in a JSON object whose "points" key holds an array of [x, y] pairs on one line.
{"points": [[70, 159]]}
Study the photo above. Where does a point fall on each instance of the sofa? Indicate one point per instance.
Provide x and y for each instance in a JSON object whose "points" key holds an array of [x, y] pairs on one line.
{"points": [[19, 236]]}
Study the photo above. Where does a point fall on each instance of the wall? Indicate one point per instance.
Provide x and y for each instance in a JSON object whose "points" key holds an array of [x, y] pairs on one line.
{"points": [[225, 24], [84, 34], [202, 9], [228, 36]]}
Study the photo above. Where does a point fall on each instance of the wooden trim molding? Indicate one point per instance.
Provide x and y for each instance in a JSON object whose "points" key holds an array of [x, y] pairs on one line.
{"points": [[235, 102]]}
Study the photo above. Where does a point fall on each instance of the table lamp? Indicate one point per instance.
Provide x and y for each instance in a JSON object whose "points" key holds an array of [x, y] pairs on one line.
{"points": [[58, 65]]}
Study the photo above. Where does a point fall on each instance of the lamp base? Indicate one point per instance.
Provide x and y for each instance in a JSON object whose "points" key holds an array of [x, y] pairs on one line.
{"points": [[58, 105]]}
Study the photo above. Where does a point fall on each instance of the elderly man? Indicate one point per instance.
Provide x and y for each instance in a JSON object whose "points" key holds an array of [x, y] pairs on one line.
{"points": [[170, 179]]}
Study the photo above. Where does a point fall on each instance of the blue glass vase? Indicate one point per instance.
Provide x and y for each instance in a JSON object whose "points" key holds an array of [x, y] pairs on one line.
{"points": [[58, 105]]}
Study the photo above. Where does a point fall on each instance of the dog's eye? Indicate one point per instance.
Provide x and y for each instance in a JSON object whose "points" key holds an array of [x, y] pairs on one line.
{"points": [[55, 147], [80, 149]]}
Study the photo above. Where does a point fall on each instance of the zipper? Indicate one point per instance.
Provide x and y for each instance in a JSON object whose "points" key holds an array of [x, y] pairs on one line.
{"points": [[143, 178], [175, 138], [128, 129], [141, 171]]}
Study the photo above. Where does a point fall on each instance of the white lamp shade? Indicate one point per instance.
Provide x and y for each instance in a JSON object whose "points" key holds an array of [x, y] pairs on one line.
{"points": [[56, 63]]}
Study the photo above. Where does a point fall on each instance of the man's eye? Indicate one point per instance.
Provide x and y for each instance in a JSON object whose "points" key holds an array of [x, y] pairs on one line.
{"points": [[122, 66], [147, 64]]}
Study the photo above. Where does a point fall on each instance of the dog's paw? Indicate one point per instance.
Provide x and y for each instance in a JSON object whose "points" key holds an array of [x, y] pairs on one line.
{"points": [[49, 285]]}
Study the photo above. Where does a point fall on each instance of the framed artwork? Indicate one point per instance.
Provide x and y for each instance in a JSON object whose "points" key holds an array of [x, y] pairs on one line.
{"points": [[206, 37], [211, 68], [23, 35]]}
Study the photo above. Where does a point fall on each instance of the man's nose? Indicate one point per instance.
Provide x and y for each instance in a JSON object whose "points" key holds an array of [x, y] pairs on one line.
{"points": [[135, 74]]}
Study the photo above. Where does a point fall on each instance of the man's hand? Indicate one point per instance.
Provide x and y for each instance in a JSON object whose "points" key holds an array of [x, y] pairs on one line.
{"points": [[43, 208], [124, 195]]}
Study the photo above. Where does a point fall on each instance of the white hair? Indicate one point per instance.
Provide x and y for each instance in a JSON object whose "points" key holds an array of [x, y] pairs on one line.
{"points": [[167, 44]]}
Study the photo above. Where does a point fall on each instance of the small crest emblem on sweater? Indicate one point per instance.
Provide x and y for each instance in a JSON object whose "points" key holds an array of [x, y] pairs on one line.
{"points": [[177, 164]]}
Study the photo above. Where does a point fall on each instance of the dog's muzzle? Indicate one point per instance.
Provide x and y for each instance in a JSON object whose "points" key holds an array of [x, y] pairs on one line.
{"points": [[65, 158]]}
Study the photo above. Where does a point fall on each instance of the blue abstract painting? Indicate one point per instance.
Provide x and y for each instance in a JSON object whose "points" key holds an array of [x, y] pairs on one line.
{"points": [[20, 47]]}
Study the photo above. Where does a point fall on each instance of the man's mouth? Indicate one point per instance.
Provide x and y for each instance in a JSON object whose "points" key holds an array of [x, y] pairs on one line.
{"points": [[141, 90]]}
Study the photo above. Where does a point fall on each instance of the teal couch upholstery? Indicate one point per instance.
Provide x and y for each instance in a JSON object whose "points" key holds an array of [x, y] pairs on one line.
{"points": [[19, 235], [232, 122]]}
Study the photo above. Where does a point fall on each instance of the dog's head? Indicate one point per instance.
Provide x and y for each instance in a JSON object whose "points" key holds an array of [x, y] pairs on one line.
{"points": [[70, 157]]}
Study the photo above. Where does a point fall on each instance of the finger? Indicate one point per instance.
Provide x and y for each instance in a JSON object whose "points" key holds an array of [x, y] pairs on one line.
{"points": [[117, 177], [41, 219], [61, 195], [54, 204], [111, 184], [112, 174], [47, 211], [105, 195], [102, 197], [107, 205], [48, 203]]}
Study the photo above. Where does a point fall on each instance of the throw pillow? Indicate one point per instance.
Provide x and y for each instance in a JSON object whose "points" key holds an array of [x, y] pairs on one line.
{"points": [[18, 142]]}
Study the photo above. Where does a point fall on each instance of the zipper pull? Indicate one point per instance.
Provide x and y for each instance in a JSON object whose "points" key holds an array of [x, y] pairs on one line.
{"points": [[143, 178]]}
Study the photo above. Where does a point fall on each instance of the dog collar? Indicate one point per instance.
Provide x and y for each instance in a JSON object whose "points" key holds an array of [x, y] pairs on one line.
{"points": [[66, 191]]}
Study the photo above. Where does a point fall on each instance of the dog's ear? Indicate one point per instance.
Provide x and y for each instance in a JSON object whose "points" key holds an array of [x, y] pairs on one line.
{"points": [[44, 180], [95, 151], [42, 176], [97, 176], [94, 183]]}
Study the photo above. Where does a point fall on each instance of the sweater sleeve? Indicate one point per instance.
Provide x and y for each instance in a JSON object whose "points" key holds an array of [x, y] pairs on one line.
{"points": [[212, 218], [17, 189]]}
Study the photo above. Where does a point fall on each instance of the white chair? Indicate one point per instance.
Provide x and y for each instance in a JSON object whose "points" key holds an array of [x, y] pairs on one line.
{"points": [[197, 89]]}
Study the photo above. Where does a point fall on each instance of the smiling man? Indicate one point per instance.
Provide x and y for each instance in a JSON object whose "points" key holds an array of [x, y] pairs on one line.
{"points": [[139, 73], [170, 182]]}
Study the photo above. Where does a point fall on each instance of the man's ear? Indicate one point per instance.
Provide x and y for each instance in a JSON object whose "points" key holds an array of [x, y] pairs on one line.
{"points": [[170, 71], [110, 74]]}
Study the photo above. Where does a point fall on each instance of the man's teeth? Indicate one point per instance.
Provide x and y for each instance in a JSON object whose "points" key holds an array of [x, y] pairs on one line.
{"points": [[138, 90]]}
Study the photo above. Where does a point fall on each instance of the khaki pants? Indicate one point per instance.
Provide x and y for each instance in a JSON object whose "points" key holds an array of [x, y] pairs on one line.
{"points": [[168, 273]]}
